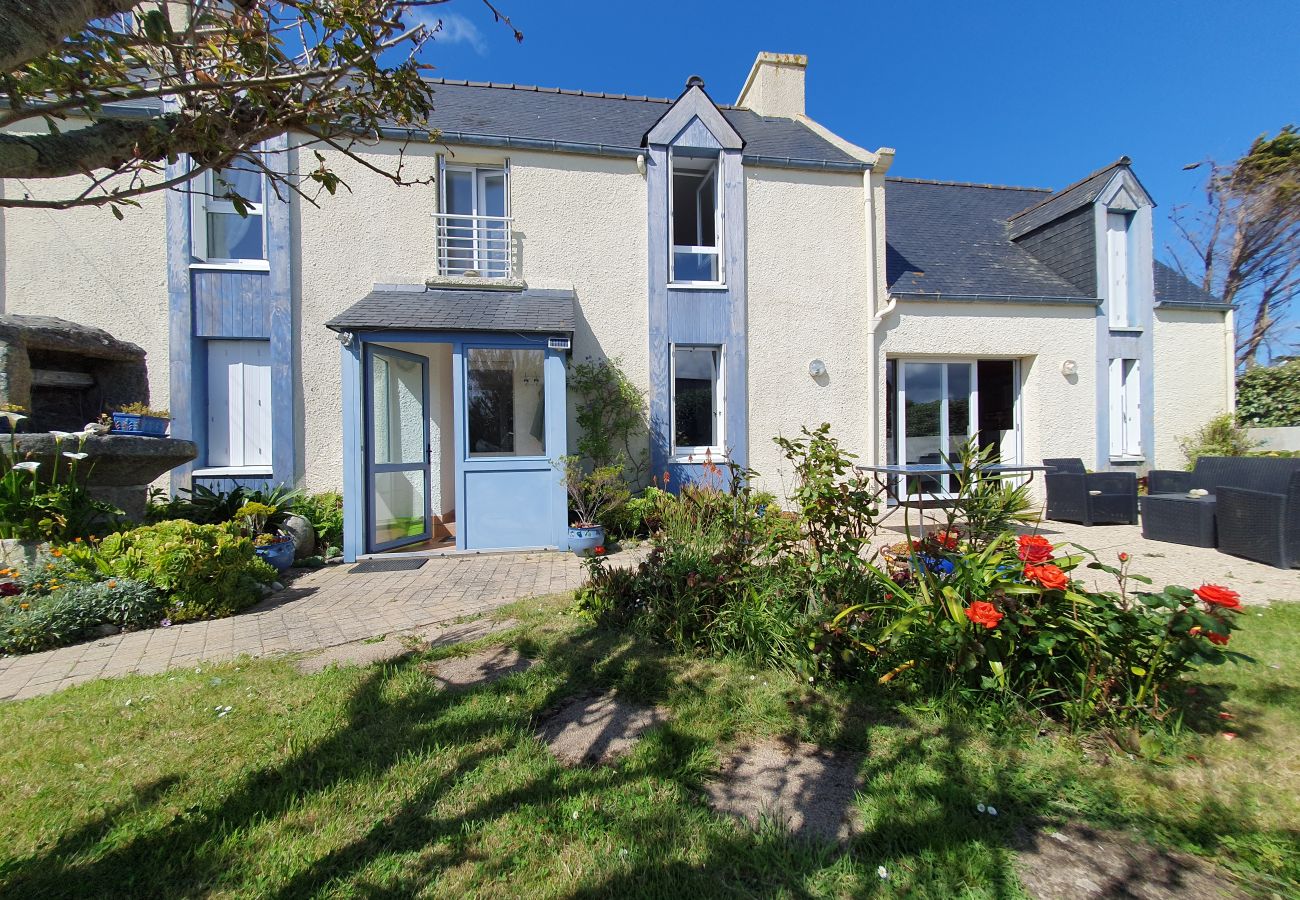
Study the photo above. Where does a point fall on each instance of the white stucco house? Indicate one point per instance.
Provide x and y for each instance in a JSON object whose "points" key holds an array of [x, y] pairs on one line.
{"points": [[753, 272]]}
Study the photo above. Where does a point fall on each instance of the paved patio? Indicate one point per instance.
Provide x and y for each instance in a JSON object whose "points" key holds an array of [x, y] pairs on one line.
{"points": [[319, 609]]}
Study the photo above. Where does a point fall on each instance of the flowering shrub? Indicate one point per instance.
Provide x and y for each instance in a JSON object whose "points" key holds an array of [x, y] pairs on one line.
{"points": [[74, 611]]}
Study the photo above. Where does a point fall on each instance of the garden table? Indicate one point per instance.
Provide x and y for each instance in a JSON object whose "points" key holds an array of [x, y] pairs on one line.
{"points": [[890, 477]]}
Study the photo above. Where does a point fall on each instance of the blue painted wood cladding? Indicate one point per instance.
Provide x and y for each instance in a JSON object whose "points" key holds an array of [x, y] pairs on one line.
{"points": [[207, 303], [714, 317]]}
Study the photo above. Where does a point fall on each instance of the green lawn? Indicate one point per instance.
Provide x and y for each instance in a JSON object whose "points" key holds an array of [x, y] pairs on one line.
{"points": [[369, 782]]}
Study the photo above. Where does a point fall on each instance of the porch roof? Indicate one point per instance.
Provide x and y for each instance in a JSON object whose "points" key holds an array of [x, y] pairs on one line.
{"points": [[413, 308]]}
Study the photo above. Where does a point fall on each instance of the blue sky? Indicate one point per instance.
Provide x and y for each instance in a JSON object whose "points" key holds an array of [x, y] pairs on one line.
{"points": [[1017, 93]]}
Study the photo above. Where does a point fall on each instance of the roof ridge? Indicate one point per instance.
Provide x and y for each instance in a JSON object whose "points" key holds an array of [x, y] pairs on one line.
{"points": [[1122, 161], [974, 184], [538, 89]]}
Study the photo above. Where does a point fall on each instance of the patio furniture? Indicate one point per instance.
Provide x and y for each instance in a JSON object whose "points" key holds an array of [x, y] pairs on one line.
{"points": [[1090, 498], [1179, 519], [1254, 502], [1262, 525]]}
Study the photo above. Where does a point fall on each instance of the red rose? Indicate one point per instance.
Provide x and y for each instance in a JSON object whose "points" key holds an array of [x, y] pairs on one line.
{"points": [[1048, 576], [1035, 549], [1220, 639], [1218, 595], [1123, 557], [981, 612]]}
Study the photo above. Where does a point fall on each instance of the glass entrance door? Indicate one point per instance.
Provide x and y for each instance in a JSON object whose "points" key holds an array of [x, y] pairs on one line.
{"points": [[936, 406], [397, 457]]}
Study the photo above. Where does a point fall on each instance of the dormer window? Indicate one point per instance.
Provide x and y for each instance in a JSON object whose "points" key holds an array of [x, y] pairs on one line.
{"points": [[1119, 264], [474, 222], [227, 216], [695, 215]]}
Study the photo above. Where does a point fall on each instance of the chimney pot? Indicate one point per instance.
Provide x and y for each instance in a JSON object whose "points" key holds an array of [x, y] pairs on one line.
{"points": [[695, 81]]}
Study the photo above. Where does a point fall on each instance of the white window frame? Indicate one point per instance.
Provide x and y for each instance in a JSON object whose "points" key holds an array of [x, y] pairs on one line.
{"points": [[716, 251], [477, 175], [1121, 309], [717, 451], [1126, 409], [233, 457], [202, 202]]}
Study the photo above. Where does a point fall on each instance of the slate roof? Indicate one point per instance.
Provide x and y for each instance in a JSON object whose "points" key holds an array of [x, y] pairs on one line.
{"points": [[953, 240], [471, 112], [1066, 200], [947, 238], [412, 309]]}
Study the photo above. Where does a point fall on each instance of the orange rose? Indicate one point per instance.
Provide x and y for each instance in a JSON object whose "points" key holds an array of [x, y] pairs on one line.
{"points": [[1035, 549], [981, 612], [946, 539], [1220, 639], [1049, 577], [1218, 595]]}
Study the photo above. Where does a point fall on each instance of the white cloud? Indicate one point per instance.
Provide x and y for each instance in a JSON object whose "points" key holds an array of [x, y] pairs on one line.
{"points": [[455, 29]]}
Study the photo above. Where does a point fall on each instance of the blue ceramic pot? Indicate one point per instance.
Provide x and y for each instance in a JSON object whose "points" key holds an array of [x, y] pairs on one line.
{"points": [[145, 426], [279, 554], [584, 541]]}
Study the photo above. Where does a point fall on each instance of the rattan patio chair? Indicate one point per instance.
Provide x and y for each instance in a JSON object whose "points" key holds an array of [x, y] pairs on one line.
{"points": [[1090, 498]]}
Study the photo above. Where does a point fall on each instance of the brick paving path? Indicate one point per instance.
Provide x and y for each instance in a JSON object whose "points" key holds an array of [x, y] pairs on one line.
{"points": [[319, 609]]}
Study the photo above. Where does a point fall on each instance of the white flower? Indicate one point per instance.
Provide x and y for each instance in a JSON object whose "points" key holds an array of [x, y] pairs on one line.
{"points": [[575, 815], [60, 435], [29, 466], [622, 853], [82, 435], [13, 417], [882, 872], [993, 810], [980, 807], [75, 455]]}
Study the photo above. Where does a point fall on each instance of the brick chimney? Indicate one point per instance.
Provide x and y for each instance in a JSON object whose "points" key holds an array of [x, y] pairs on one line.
{"points": [[775, 85]]}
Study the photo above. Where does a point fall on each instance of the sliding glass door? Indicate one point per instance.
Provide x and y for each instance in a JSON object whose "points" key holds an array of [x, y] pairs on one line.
{"points": [[936, 407]]}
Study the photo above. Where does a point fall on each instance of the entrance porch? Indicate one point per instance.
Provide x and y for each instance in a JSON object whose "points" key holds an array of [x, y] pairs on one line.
{"points": [[454, 419]]}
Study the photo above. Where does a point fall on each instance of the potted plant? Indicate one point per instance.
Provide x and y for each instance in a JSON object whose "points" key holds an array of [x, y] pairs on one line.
{"points": [[272, 545], [592, 496], [139, 418]]}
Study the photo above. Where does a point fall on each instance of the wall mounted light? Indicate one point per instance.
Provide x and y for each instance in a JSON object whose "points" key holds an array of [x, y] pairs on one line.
{"points": [[816, 368], [640, 164], [1069, 368], [345, 338]]}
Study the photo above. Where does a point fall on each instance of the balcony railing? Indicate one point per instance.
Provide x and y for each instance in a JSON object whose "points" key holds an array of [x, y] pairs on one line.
{"points": [[475, 245]]}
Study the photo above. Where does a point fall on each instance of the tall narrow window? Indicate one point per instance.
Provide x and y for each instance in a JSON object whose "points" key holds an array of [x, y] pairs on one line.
{"points": [[239, 404], [474, 223], [1125, 408], [696, 213], [1119, 257], [229, 224], [697, 401]]}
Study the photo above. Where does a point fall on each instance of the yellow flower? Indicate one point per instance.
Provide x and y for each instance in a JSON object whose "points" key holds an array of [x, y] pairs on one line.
{"points": [[56, 552], [49, 567], [23, 605]]}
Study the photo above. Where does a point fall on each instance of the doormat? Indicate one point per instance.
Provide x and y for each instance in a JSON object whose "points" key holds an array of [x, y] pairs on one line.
{"points": [[371, 566]]}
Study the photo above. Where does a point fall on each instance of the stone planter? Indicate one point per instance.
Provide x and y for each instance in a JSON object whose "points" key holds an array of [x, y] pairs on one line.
{"points": [[20, 555], [279, 554], [584, 540]]}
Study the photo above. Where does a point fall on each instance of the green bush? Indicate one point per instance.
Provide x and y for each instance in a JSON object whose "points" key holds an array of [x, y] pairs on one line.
{"points": [[204, 506], [205, 571], [1269, 396], [1221, 436], [30, 621], [325, 513]]}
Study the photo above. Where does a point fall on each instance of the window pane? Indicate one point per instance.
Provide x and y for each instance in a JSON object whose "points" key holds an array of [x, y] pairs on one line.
{"points": [[695, 394], [506, 402], [685, 230], [245, 182], [922, 409], [397, 403], [694, 266], [232, 236], [399, 505]]}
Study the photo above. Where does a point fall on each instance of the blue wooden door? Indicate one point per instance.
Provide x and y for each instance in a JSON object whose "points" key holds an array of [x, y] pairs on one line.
{"points": [[397, 448], [508, 493]]}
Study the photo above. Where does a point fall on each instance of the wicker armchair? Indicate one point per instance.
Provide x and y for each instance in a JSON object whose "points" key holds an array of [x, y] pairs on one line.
{"points": [[1090, 498], [1262, 525]]}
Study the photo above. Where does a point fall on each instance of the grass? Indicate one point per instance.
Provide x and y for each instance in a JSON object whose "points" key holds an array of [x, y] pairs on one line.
{"points": [[369, 782]]}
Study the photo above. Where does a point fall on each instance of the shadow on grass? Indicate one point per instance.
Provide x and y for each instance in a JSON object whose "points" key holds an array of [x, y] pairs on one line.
{"points": [[918, 801]]}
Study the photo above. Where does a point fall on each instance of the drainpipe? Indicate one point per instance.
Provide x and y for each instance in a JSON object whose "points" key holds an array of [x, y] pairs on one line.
{"points": [[1230, 361], [875, 242]]}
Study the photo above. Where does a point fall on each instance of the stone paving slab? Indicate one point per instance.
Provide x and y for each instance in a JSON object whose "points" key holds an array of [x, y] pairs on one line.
{"points": [[597, 729], [808, 789], [323, 608], [392, 646], [460, 673]]}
